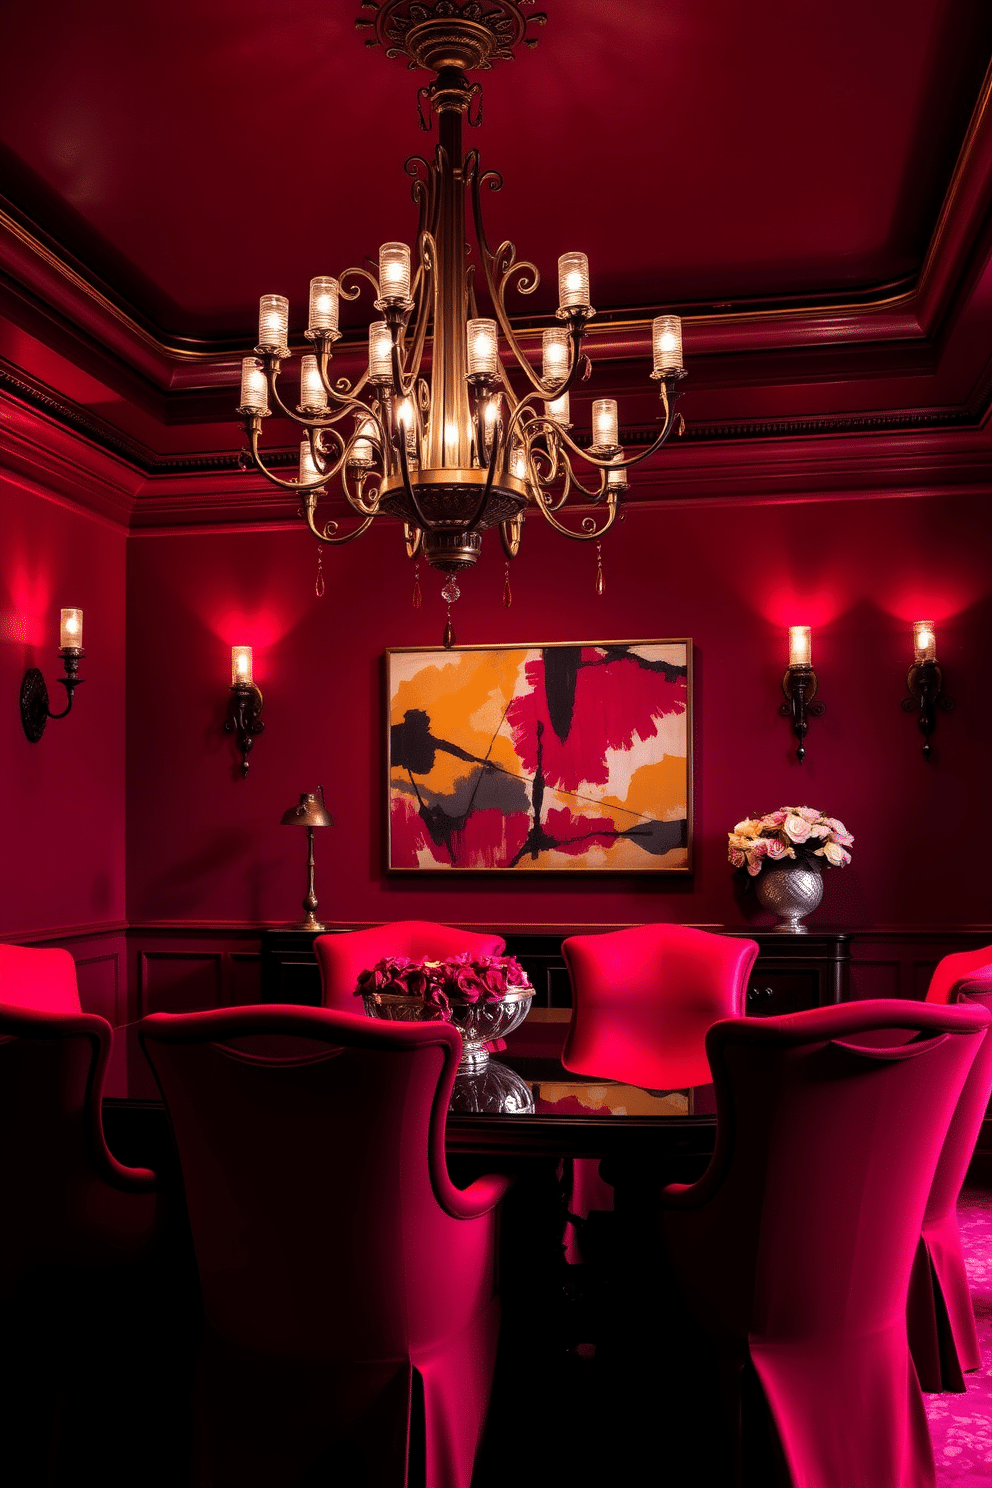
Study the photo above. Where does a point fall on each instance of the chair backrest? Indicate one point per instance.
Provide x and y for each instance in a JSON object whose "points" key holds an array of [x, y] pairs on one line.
{"points": [[64, 1196], [642, 1000], [44, 980], [830, 1125], [966, 1123], [342, 957], [950, 970], [312, 1150]]}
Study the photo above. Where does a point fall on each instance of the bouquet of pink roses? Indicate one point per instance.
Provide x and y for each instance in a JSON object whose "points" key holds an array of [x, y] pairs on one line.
{"points": [[464, 978], [793, 832]]}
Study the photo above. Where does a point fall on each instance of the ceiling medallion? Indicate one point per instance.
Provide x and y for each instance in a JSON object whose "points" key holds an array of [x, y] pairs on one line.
{"points": [[461, 449]]}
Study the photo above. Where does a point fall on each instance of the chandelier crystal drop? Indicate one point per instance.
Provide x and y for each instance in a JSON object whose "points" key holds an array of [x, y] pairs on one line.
{"points": [[460, 448]]}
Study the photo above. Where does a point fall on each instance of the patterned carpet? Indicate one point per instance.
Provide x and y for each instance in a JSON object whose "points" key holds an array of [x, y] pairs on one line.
{"points": [[961, 1425]]}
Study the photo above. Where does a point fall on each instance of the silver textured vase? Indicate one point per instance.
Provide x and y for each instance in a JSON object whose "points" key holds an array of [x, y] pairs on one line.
{"points": [[791, 893]]}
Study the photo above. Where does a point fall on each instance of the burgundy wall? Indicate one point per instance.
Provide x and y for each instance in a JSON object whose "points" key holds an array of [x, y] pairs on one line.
{"points": [[61, 800], [204, 845]]}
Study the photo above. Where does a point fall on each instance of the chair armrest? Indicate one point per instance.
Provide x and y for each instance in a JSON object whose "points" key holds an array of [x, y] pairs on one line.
{"points": [[479, 1198], [685, 1195]]}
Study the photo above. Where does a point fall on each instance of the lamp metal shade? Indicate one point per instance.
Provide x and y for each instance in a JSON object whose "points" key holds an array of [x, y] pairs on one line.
{"points": [[310, 812]]}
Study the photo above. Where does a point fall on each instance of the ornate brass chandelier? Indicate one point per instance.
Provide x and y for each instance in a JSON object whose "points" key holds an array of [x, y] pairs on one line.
{"points": [[458, 450]]}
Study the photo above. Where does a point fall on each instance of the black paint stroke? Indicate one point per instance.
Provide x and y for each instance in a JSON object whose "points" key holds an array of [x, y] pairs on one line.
{"points": [[562, 665]]}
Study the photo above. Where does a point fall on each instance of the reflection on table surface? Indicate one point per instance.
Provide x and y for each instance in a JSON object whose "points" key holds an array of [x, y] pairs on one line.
{"points": [[531, 1087]]}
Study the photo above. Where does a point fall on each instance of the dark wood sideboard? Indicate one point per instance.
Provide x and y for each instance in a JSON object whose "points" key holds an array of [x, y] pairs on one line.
{"points": [[792, 972]]}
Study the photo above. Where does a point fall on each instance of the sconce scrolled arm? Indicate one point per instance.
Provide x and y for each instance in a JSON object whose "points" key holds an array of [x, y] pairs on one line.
{"points": [[799, 687], [925, 683], [35, 711], [244, 721]]}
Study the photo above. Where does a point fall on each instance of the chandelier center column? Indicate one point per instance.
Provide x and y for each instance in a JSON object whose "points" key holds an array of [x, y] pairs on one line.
{"points": [[449, 444]]}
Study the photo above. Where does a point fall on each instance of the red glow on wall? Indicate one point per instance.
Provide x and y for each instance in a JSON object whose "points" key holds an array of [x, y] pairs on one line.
{"points": [[928, 602], [31, 595]]}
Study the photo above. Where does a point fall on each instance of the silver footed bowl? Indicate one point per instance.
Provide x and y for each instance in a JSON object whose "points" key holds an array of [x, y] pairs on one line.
{"points": [[477, 1022]]}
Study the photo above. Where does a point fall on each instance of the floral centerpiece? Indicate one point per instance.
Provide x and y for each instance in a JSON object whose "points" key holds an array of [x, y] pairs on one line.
{"points": [[483, 996], [796, 833], [791, 845]]}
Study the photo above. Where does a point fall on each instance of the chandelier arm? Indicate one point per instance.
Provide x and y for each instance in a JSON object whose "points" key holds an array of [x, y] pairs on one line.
{"points": [[422, 315], [594, 496], [352, 294], [320, 456], [271, 367], [349, 402], [325, 534], [290, 485], [590, 530], [357, 501], [510, 533], [413, 537], [608, 462]]}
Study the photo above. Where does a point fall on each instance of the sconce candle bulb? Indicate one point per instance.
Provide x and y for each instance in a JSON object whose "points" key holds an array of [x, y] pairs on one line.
{"points": [[245, 704], [71, 630], [799, 686], [924, 641], [925, 682]]}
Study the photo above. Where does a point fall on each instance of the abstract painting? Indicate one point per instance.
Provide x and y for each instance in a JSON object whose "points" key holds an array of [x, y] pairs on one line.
{"points": [[558, 758]]}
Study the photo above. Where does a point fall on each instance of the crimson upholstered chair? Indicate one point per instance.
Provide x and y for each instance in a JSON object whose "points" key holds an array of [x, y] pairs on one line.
{"points": [[342, 957], [795, 1247], [65, 1197], [642, 1000], [952, 969], [42, 980], [942, 1332], [348, 1285]]}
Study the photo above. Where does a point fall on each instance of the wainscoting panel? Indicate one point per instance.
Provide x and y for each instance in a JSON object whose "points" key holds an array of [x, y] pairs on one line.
{"points": [[185, 969]]}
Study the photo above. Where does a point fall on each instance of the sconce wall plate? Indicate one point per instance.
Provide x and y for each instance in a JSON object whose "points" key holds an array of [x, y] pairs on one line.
{"points": [[35, 711], [924, 683], [244, 708], [799, 687]]}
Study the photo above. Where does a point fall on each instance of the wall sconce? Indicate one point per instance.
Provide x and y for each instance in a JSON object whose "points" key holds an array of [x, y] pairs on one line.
{"points": [[925, 681], [35, 712], [245, 704], [309, 813], [799, 686]]}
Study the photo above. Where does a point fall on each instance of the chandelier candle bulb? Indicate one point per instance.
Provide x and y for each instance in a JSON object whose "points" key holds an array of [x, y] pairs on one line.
{"points": [[394, 272], [380, 352], [361, 450], [71, 630], [273, 325], [308, 470], [800, 646], [924, 641], [558, 410], [241, 666], [604, 424], [616, 480], [573, 282], [323, 306], [254, 388], [313, 396], [483, 349], [666, 344], [518, 461], [555, 355]]}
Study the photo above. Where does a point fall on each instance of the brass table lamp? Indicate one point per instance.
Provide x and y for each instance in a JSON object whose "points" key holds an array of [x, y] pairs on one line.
{"points": [[310, 813]]}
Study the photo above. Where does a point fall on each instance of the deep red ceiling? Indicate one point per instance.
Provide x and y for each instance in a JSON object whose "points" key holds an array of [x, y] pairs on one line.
{"points": [[194, 156]]}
